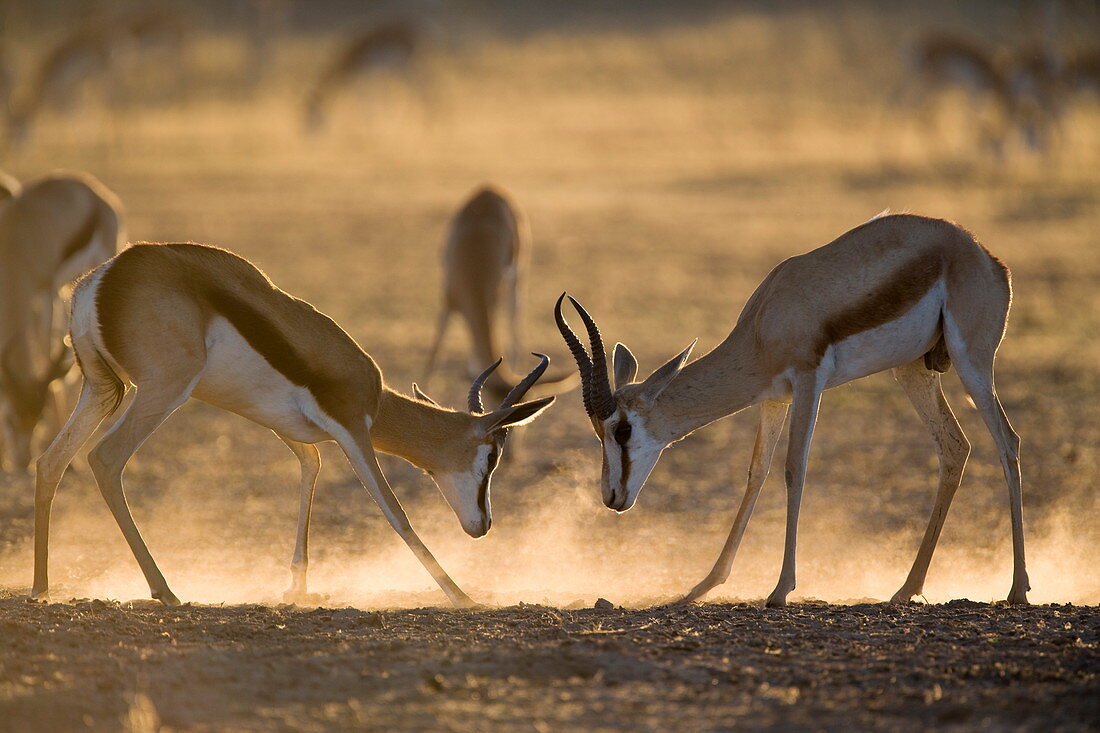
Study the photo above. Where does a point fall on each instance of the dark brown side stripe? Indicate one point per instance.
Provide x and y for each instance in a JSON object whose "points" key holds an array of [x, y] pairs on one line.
{"points": [[270, 342], [897, 295], [132, 268]]}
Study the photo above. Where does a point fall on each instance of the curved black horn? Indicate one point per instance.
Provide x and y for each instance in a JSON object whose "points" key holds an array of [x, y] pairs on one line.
{"points": [[584, 364], [516, 394], [603, 400], [473, 400]]}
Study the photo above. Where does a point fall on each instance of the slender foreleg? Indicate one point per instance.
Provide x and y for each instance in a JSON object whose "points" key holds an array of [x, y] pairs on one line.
{"points": [[363, 461], [309, 459], [807, 398], [516, 314], [772, 415], [924, 390], [440, 331]]}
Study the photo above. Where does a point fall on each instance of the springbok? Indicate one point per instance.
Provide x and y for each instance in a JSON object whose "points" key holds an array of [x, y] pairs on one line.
{"points": [[188, 320], [938, 62], [484, 261], [79, 59], [51, 233], [901, 292], [387, 46], [1038, 84]]}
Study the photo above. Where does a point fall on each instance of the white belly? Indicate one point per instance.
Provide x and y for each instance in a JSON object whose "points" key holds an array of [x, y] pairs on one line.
{"points": [[237, 378], [898, 342]]}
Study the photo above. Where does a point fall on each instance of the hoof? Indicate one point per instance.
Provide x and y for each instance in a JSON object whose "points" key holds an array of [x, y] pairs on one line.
{"points": [[775, 601], [168, 598], [465, 602], [302, 598], [904, 596], [1018, 598], [40, 596]]}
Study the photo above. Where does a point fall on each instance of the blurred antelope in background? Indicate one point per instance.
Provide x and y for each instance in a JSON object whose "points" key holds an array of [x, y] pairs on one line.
{"points": [[187, 320], [941, 62], [905, 293], [387, 47], [63, 77], [51, 232], [485, 260], [149, 57]]}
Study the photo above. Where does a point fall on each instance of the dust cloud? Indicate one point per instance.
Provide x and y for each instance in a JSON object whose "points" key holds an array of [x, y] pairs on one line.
{"points": [[552, 543]]}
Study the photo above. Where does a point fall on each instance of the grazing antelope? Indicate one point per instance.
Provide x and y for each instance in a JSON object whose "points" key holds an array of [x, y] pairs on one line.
{"points": [[79, 59], [187, 320], [486, 252], [906, 293], [1038, 85], [52, 232], [939, 62], [152, 40], [387, 46]]}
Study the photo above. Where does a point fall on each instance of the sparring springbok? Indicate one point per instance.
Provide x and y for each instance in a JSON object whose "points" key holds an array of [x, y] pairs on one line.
{"points": [[187, 320], [902, 292], [51, 233], [484, 261], [387, 46]]}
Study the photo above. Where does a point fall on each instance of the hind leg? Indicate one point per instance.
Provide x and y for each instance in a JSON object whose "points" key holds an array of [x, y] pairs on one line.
{"points": [[922, 387], [309, 459], [152, 405], [95, 403], [975, 369]]}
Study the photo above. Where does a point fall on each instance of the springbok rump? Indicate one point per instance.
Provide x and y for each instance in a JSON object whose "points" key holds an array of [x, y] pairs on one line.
{"points": [[52, 231], [485, 263], [186, 320], [902, 292]]}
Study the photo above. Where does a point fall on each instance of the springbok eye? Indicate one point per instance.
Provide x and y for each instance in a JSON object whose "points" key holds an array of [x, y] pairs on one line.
{"points": [[622, 432]]}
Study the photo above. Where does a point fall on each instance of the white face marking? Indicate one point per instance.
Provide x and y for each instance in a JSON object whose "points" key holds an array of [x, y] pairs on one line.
{"points": [[461, 490], [642, 453]]}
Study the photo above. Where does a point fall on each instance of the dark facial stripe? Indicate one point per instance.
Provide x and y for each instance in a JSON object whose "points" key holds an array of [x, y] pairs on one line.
{"points": [[624, 458], [896, 296]]}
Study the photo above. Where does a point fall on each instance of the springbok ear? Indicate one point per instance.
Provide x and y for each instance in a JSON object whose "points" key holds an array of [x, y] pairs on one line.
{"points": [[418, 394], [514, 416], [656, 382], [626, 366]]}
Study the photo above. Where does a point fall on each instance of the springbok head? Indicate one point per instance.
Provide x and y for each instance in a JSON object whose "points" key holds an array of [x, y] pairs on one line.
{"points": [[466, 463], [626, 420]]}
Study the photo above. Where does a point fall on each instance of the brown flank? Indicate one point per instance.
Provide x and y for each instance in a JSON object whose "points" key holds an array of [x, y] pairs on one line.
{"points": [[131, 270], [897, 295]]}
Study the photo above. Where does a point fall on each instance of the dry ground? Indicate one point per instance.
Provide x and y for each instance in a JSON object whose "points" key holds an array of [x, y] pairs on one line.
{"points": [[666, 165]]}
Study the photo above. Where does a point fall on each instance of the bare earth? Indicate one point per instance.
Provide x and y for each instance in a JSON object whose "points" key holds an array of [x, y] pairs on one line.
{"points": [[811, 666], [668, 156]]}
